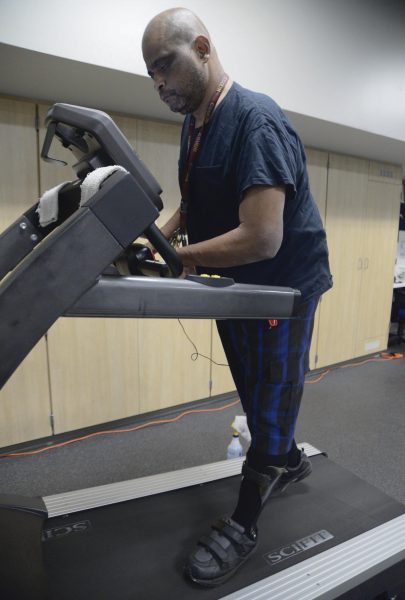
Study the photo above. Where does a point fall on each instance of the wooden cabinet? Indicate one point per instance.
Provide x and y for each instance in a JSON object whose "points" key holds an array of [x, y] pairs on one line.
{"points": [[25, 406], [98, 370], [379, 242], [93, 371], [317, 163], [339, 310], [361, 223], [158, 146], [221, 378], [170, 370]]}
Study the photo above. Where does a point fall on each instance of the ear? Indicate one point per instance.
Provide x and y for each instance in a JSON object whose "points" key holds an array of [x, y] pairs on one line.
{"points": [[202, 47]]}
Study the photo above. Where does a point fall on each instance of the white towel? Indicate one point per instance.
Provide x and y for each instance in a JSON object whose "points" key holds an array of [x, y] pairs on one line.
{"points": [[92, 182], [48, 205]]}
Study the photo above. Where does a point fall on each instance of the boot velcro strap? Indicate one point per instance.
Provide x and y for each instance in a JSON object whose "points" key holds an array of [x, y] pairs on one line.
{"points": [[214, 547], [262, 479], [224, 527]]}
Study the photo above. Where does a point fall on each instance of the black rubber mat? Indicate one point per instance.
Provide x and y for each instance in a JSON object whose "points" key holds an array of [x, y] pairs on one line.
{"points": [[136, 550]]}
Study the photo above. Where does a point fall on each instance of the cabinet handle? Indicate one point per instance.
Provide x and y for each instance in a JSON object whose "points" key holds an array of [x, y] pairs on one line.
{"points": [[366, 263], [360, 264]]}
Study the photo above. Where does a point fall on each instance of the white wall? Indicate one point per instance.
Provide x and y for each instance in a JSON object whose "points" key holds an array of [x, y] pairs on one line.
{"points": [[336, 66], [338, 60]]}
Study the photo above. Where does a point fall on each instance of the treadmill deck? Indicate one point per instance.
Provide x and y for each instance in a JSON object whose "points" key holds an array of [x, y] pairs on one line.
{"points": [[136, 549]]}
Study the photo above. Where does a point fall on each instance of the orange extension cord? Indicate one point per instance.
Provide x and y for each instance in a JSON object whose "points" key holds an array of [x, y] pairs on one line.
{"points": [[127, 430], [385, 357]]}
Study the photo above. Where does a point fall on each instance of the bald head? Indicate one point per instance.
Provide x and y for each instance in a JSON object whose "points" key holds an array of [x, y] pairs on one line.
{"points": [[176, 25], [181, 60]]}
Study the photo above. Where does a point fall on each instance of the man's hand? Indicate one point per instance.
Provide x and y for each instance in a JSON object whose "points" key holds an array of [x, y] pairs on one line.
{"points": [[187, 271]]}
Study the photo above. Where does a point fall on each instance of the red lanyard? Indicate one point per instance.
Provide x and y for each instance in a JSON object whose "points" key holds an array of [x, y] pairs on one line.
{"points": [[192, 153]]}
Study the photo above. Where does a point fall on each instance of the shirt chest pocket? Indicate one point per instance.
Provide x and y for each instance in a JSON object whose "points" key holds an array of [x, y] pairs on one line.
{"points": [[208, 179], [212, 193]]}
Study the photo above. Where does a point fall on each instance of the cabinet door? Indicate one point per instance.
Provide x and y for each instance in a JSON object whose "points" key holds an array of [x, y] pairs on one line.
{"points": [[170, 372], [158, 145], [378, 257], [339, 310], [317, 163], [94, 371], [221, 378], [25, 407], [24, 400]]}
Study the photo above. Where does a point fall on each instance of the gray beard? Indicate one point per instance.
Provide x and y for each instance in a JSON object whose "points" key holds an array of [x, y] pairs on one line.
{"points": [[193, 96]]}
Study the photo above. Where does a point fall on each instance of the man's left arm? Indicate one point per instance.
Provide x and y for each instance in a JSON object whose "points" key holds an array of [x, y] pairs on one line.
{"points": [[258, 236]]}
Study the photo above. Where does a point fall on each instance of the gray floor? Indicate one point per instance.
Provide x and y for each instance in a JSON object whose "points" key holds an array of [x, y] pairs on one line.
{"points": [[355, 414]]}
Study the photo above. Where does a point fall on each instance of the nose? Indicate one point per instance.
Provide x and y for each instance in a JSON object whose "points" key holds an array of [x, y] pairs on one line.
{"points": [[159, 83]]}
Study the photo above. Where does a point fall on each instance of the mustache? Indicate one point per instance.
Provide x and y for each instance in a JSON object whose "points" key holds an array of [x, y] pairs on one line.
{"points": [[166, 94]]}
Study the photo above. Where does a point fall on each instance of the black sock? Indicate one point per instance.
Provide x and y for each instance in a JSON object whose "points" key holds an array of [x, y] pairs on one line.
{"points": [[294, 455], [249, 504]]}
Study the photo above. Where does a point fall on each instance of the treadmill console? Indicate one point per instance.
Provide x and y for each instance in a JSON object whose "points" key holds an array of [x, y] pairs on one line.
{"points": [[96, 141]]}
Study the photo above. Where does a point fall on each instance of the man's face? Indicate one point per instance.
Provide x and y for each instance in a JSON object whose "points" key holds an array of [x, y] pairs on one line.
{"points": [[177, 73]]}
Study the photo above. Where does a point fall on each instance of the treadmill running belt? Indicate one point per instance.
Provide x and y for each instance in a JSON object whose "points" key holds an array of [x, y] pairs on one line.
{"points": [[136, 550]]}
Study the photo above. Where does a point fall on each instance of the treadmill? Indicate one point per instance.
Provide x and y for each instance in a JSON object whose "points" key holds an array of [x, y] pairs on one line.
{"points": [[332, 536]]}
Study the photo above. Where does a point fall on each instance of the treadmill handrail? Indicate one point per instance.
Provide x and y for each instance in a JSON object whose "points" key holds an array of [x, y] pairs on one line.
{"points": [[119, 296]]}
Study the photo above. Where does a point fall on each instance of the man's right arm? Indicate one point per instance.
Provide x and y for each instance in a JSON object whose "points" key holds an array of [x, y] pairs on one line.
{"points": [[171, 225]]}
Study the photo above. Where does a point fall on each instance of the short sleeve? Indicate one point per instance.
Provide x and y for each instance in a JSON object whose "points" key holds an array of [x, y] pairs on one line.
{"points": [[265, 156]]}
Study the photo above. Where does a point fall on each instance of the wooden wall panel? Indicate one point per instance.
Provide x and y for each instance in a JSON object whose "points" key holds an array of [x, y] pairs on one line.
{"points": [[384, 173], [221, 378], [378, 260], [362, 226], [18, 159], [168, 376], [25, 408], [94, 370], [346, 199], [158, 146], [317, 162]]}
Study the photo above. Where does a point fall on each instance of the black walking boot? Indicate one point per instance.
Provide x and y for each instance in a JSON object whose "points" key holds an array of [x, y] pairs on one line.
{"points": [[230, 543], [294, 474]]}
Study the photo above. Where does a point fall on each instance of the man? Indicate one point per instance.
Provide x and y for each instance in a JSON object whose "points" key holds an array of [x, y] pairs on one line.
{"points": [[246, 213]]}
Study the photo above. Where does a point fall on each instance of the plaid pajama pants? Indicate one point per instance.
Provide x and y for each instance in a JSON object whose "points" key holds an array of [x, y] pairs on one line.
{"points": [[268, 365]]}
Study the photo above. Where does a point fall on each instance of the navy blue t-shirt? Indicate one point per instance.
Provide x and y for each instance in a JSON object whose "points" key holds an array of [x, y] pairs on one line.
{"points": [[249, 141]]}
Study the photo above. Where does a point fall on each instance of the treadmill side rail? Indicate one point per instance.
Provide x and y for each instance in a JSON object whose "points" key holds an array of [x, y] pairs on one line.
{"points": [[336, 571]]}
